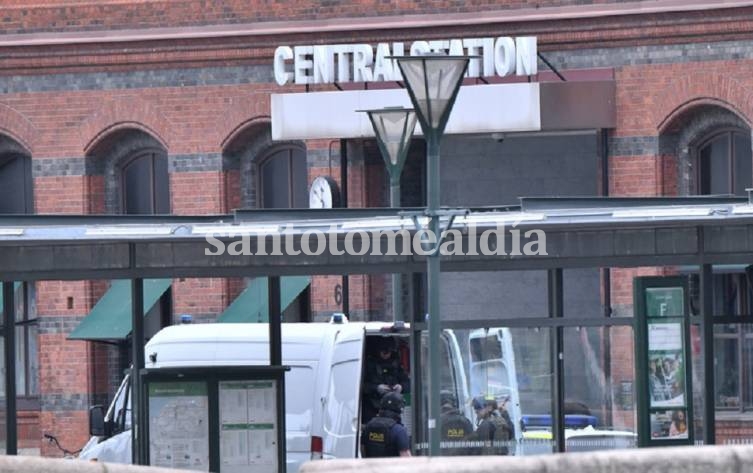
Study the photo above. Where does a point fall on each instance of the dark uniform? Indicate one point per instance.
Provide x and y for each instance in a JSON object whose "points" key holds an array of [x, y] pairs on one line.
{"points": [[385, 435], [381, 371], [456, 427], [495, 428]]}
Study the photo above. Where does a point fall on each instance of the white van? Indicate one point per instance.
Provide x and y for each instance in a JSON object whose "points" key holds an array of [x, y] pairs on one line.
{"points": [[322, 388]]}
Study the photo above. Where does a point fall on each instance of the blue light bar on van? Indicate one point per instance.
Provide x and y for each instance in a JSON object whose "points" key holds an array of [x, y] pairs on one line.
{"points": [[572, 421]]}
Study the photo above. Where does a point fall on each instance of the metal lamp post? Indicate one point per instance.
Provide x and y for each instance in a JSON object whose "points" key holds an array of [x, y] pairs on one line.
{"points": [[433, 83], [393, 127]]}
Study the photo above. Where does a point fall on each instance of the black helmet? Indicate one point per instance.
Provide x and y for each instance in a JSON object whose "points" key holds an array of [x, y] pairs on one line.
{"points": [[447, 398], [393, 401], [386, 344], [479, 402]]}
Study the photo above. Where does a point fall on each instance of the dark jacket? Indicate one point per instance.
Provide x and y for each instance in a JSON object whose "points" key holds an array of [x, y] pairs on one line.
{"points": [[389, 372], [456, 429], [495, 431]]}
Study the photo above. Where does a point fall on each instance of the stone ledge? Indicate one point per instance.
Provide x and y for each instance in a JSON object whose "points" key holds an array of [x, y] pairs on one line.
{"points": [[655, 460]]}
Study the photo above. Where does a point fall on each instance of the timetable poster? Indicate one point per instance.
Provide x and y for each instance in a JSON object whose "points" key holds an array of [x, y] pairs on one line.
{"points": [[248, 434]]}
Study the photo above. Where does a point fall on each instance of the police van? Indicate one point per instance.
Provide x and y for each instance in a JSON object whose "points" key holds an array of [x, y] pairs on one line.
{"points": [[323, 389]]}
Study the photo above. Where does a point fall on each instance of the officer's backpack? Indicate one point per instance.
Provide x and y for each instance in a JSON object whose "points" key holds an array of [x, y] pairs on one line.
{"points": [[503, 433], [377, 440]]}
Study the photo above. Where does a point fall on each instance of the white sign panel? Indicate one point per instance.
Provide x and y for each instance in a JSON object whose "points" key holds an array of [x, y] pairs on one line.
{"points": [[332, 115]]}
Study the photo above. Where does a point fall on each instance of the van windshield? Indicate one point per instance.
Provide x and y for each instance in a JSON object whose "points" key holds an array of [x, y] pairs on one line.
{"points": [[120, 408], [297, 406]]}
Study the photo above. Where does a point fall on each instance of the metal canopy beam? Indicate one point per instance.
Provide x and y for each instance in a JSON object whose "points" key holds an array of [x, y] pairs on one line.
{"points": [[566, 248]]}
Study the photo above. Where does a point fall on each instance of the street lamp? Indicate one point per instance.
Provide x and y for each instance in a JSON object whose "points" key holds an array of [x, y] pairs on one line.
{"points": [[433, 82], [393, 127]]}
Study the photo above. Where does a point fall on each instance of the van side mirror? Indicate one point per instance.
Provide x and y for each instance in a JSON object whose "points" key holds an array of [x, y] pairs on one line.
{"points": [[97, 424]]}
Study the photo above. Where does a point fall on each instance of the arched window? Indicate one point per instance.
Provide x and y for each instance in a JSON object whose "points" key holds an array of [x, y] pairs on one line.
{"points": [[723, 163], [15, 185], [145, 184], [282, 179]]}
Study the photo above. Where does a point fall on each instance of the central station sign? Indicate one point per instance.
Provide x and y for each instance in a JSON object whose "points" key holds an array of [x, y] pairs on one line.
{"points": [[327, 64]]}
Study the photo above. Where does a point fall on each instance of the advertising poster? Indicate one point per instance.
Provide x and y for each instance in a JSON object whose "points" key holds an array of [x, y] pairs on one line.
{"points": [[669, 424], [179, 425], [248, 434], [666, 365]]}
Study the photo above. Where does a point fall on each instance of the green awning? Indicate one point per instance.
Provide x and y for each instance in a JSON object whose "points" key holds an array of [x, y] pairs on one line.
{"points": [[110, 319], [16, 285], [251, 305]]}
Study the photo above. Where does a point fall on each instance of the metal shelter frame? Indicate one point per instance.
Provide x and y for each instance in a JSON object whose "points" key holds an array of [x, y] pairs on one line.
{"points": [[580, 233]]}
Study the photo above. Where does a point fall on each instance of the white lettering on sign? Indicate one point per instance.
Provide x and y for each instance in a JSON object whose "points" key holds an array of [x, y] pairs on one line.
{"points": [[324, 64]]}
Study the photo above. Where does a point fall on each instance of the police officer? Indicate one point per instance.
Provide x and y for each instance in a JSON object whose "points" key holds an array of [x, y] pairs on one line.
{"points": [[385, 435], [494, 428], [455, 426], [384, 373]]}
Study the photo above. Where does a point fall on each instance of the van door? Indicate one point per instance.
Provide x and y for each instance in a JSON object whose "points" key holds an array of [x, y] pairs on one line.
{"points": [[492, 366], [458, 367], [342, 402], [452, 378]]}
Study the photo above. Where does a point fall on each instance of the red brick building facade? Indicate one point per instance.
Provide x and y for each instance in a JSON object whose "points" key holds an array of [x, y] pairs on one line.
{"points": [[84, 85]]}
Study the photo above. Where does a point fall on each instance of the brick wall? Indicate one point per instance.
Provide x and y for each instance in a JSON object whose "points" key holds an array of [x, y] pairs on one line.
{"points": [[115, 14]]}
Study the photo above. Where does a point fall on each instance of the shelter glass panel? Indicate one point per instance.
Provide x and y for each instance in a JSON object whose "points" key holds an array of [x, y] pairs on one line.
{"points": [[600, 408], [733, 383], [699, 378], [500, 380], [27, 359], [582, 293], [494, 295]]}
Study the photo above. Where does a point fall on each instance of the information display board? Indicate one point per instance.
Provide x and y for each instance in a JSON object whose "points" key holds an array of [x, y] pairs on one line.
{"points": [[248, 428], [665, 400], [224, 419]]}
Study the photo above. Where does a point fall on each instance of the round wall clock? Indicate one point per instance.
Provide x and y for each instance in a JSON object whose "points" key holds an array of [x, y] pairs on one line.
{"points": [[324, 193]]}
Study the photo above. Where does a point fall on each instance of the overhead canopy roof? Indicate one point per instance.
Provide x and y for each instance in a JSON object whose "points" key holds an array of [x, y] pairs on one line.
{"points": [[587, 232]]}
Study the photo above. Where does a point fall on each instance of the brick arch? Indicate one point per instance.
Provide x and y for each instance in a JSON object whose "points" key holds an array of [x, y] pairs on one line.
{"points": [[125, 112], [241, 151], [255, 123], [239, 114], [702, 88], [19, 128]]}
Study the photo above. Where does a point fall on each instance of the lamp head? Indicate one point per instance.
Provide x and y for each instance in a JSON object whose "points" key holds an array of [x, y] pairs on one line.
{"points": [[393, 127], [433, 82]]}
